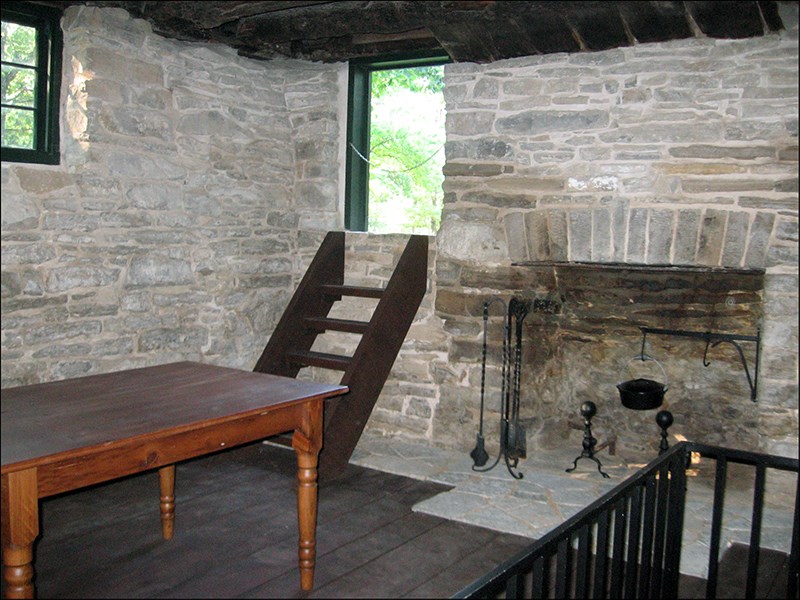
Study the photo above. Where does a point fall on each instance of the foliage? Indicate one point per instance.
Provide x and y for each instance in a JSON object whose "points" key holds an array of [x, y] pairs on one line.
{"points": [[18, 84], [417, 79], [406, 150]]}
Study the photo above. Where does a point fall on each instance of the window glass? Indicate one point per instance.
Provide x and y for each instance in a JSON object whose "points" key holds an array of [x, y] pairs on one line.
{"points": [[395, 145], [31, 76]]}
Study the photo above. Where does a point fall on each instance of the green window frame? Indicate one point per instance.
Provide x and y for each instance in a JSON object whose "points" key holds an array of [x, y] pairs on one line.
{"points": [[356, 205], [46, 82]]}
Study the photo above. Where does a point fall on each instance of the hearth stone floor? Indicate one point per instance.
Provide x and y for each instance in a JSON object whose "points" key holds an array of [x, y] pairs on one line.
{"points": [[547, 495]]}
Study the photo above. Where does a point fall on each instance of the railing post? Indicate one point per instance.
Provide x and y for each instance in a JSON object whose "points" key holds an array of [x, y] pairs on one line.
{"points": [[677, 504]]}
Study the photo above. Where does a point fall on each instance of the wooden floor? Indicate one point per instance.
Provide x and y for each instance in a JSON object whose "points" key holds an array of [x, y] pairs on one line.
{"points": [[773, 573], [236, 536]]}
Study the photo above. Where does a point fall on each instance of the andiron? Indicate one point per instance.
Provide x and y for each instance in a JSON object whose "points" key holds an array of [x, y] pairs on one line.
{"points": [[588, 410]]}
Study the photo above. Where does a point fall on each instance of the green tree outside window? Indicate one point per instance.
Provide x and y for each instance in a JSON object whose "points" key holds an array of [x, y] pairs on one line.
{"points": [[30, 86], [406, 150], [18, 85]]}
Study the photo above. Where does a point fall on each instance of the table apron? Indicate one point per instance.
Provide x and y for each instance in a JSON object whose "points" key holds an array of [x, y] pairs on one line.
{"points": [[122, 459]]}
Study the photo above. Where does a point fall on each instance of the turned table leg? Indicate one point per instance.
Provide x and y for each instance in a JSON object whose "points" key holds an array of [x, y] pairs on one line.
{"points": [[166, 485], [307, 442], [20, 519]]}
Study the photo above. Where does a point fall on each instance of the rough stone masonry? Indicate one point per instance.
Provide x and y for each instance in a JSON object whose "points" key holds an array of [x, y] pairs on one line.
{"points": [[195, 186]]}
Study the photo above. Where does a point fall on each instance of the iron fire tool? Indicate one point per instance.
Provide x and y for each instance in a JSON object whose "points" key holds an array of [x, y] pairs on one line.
{"points": [[515, 442], [588, 410], [512, 434], [479, 455]]}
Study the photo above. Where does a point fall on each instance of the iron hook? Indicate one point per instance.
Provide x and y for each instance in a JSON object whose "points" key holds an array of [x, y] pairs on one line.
{"points": [[644, 338], [706, 362]]}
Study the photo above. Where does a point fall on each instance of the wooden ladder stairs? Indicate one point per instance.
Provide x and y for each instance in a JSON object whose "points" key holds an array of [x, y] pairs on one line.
{"points": [[290, 347]]}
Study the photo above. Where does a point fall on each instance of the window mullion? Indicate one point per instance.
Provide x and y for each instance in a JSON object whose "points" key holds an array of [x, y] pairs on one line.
{"points": [[358, 128]]}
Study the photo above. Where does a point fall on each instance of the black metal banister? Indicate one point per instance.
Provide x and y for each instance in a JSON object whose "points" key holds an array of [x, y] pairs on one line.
{"points": [[716, 526], [637, 531]]}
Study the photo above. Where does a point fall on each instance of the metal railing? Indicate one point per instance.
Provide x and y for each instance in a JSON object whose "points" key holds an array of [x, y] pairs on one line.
{"points": [[628, 542]]}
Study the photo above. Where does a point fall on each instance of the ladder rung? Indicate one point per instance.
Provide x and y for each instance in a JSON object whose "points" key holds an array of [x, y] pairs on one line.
{"points": [[351, 290], [319, 359], [328, 323]]}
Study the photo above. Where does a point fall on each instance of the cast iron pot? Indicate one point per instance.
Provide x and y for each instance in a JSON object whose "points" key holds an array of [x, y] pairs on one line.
{"points": [[643, 394]]}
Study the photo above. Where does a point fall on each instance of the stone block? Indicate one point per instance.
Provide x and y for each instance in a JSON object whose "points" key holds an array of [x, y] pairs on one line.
{"points": [[184, 339], [659, 133], [728, 185], [486, 88], [580, 235], [472, 241], [782, 255], [636, 246], [474, 170], [515, 236], [787, 185], [163, 196], [601, 235], [317, 194], [124, 164], [735, 239], [27, 254], [105, 64], [49, 333], [10, 284], [659, 242], [500, 200], [158, 270], [558, 235], [125, 120], [760, 232], [37, 181], [469, 123], [538, 237], [716, 152], [73, 278], [548, 121], [619, 228], [712, 236]]}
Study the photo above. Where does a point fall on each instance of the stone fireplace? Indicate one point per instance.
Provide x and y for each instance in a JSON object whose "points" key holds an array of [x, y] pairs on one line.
{"points": [[583, 349], [649, 186]]}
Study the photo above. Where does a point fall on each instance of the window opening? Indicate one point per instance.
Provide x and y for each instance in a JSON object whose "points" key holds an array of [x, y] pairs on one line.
{"points": [[31, 77], [396, 136]]}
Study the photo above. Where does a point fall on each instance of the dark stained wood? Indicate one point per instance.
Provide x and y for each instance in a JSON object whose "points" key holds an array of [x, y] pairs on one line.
{"points": [[291, 334], [236, 536], [727, 18], [65, 435], [471, 31], [366, 371], [329, 324], [373, 358], [69, 416], [773, 567]]}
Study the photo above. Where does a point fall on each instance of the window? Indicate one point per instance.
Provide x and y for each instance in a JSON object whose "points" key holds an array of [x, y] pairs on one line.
{"points": [[31, 81], [395, 152]]}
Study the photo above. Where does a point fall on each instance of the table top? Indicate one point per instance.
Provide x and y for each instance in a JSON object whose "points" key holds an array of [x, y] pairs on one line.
{"points": [[60, 417]]}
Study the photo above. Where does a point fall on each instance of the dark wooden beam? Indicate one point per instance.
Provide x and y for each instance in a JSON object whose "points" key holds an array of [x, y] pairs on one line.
{"points": [[468, 30]]}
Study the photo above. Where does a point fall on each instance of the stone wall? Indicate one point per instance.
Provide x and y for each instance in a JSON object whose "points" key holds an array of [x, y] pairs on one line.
{"points": [[196, 185], [683, 153], [173, 229]]}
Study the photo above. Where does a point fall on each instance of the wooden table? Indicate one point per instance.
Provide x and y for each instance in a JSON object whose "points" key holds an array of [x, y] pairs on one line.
{"points": [[65, 435]]}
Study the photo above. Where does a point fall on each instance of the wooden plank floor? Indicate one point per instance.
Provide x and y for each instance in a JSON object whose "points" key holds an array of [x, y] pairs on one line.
{"points": [[236, 536], [773, 573]]}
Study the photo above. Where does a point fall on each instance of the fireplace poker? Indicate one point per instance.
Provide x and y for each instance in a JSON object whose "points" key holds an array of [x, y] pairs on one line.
{"points": [[479, 455], [515, 441], [510, 429]]}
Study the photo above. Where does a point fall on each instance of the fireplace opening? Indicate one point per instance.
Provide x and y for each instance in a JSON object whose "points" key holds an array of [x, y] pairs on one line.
{"points": [[577, 353]]}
